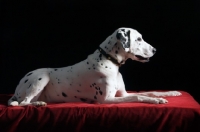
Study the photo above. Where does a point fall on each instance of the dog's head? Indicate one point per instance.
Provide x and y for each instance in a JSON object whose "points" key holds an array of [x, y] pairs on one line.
{"points": [[132, 42]]}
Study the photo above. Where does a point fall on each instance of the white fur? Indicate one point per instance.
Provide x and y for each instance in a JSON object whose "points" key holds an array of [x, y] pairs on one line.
{"points": [[95, 79]]}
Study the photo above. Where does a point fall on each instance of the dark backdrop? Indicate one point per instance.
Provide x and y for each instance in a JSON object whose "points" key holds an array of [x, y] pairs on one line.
{"points": [[57, 33]]}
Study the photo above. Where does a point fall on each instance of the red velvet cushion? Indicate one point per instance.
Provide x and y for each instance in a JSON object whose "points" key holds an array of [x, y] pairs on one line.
{"points": [[181, 113]]}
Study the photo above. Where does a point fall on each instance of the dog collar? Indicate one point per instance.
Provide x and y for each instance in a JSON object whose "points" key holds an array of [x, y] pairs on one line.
{"points": [[109, 57]]}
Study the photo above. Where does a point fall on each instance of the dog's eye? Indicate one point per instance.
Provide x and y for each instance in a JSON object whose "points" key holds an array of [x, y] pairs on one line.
{"points": [[139, 39]]}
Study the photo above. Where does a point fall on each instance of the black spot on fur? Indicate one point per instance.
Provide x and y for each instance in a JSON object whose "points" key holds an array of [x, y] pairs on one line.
{"points": [[63, 94], [89, 68], [40, 79], [96, 88], [14, 98], [87, 62], [29, 74], [82, 99], [95, 97], [100, 55], [116, 52], [101, 92], [29, 86], [55, 69], [96, 92], [125, 35], [75, 97], [102, 64], [106, 67], [25, 80]]}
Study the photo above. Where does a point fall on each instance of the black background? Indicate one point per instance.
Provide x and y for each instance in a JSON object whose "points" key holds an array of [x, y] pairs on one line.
{"points": [[58, 33]]}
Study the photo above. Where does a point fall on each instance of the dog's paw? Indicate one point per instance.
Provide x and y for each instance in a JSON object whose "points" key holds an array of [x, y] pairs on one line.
{"points": [[162, 101], [14, 103], [158, 101], [173, 93], [39, 103], [165, 94]]}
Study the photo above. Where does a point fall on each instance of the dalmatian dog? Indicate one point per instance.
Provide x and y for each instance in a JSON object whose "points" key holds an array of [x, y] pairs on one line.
{"points": [[95, 79]]}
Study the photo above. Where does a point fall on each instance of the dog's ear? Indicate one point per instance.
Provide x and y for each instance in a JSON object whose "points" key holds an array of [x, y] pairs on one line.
{"points": [[124, 38]]}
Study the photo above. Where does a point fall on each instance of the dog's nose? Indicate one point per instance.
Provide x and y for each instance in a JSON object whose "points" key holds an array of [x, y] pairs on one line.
{"points": [[154, 50]]}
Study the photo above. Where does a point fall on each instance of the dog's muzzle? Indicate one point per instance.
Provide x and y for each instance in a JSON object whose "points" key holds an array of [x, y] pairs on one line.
{"points": [[147, 58]]}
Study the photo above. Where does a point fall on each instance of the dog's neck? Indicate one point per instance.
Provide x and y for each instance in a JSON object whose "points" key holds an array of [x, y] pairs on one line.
{"points": [[114, 49], [109, 57]]}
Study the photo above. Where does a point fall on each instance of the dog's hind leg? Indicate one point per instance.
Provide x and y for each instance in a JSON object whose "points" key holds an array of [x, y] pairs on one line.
{"points": [[14, 100], [33, 93]]}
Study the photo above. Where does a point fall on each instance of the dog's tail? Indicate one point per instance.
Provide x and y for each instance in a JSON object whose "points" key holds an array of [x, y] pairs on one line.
{"points": [[13, 101]]}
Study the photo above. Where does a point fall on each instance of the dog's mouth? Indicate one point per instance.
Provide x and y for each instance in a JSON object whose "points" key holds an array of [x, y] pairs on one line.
{"points": [[142, 58]]}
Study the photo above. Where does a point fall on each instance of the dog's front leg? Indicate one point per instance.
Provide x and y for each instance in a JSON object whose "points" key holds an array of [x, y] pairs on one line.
{"points": [[122, 96], [130, 97], [160, 94]]}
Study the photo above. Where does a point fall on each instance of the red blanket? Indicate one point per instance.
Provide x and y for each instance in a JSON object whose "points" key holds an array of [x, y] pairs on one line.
{"points": [[179, 114]]}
